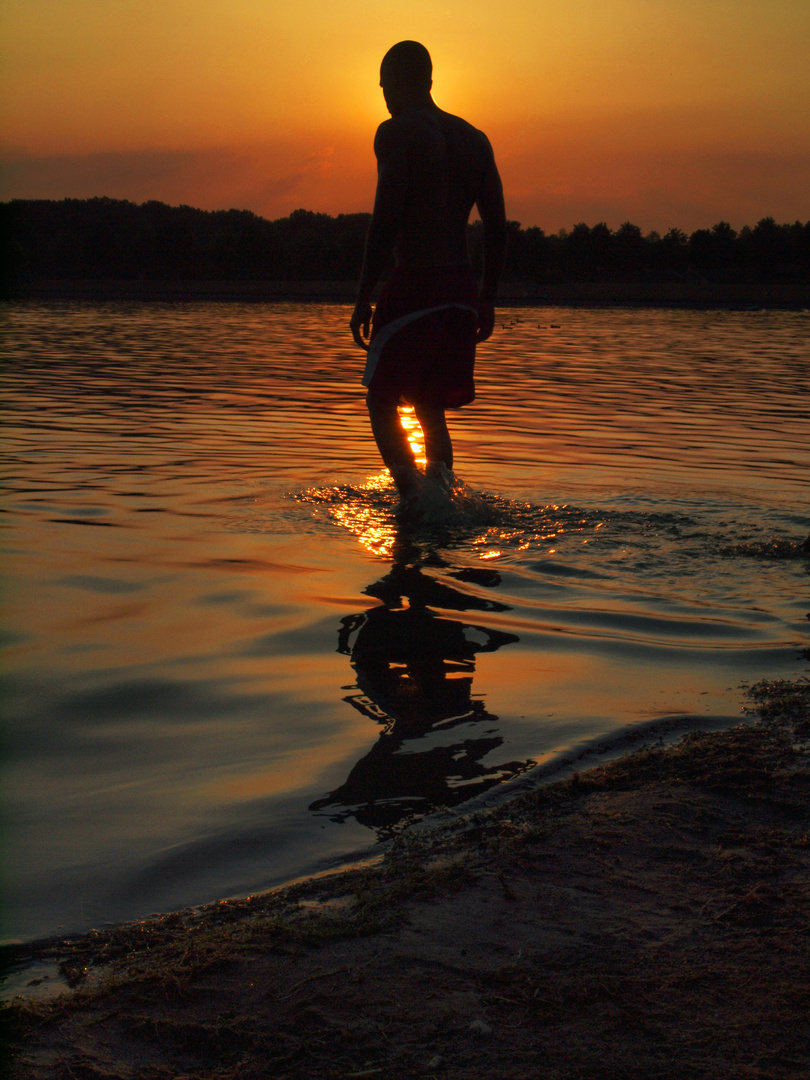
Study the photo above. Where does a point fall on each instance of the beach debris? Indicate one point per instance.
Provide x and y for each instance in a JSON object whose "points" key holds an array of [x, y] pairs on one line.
{"points": [[782, 701], [478, 1027], [73, 974]]}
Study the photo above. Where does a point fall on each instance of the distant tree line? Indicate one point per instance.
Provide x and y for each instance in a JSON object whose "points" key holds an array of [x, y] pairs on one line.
{"points": [[113, 239]]}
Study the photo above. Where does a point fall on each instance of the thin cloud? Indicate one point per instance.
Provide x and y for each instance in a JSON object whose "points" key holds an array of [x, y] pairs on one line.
{"points": [[552, 185]]}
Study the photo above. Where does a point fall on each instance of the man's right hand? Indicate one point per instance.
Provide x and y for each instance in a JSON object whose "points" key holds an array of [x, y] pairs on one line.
{"points": [[360, 323]]}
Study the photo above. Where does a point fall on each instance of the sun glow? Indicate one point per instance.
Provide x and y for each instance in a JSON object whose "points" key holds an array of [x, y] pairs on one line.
{"points": [[677, 112]]}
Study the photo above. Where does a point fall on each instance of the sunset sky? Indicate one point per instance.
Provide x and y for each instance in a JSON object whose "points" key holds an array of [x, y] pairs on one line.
{"points": [[667, 113]]}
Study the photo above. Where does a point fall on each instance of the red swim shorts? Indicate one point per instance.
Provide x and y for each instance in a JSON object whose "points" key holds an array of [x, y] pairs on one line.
{"points": [[422, 345]]}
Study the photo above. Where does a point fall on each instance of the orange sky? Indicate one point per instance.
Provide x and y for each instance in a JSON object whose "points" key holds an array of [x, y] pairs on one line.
{"points": [[664, 112]]}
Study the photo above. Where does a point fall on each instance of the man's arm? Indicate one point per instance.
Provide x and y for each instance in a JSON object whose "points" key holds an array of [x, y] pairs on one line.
{"points": [[493, 217], [389, 205]]}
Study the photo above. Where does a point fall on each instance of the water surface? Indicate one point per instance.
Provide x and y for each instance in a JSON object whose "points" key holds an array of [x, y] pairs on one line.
{"points": [[227, 666]]}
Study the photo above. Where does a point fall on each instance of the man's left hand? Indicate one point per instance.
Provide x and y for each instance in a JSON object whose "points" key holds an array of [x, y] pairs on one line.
{"points": [[360, 323]]}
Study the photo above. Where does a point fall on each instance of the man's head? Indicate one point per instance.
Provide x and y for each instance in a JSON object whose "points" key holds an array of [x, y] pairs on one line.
{"points": [[406, 75]]}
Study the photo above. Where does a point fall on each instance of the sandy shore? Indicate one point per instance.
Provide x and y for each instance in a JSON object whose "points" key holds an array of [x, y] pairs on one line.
{"points": [[649, 918]]}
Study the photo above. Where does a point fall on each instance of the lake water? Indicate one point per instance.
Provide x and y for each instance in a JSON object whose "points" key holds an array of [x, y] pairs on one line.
{"points": [[226, 666]]}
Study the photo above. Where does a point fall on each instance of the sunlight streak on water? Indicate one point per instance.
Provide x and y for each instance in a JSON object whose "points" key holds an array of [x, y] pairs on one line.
{"points": [[372, 522]]}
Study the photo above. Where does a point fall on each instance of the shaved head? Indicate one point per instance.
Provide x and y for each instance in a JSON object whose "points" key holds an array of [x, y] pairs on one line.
{"points": [[407, 65]]}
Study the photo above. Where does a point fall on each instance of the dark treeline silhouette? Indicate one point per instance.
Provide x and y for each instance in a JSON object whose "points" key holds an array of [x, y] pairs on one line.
{"points": [[111, 239], [114, 239], [766, 253]]}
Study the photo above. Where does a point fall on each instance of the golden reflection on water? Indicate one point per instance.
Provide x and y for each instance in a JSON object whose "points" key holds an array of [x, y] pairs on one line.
{"points": [[376, 527], [372, 524]]}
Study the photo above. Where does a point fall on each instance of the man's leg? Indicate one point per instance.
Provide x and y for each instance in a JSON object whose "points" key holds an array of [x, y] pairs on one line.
{"points": [[392, 442], [438, 447]]}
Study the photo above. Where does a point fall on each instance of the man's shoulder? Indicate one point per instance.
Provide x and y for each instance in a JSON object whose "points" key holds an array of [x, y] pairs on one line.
{"points": [[464, 132], [458, 122], [389, 135], [400, 133], [409, 126]]}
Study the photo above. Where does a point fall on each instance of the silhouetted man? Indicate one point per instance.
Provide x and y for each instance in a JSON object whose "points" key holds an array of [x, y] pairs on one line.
{"points": [[432, 168]]}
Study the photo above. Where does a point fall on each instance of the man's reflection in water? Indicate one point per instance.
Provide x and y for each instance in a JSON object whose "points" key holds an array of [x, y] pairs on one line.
{"points": [[414, 673]]}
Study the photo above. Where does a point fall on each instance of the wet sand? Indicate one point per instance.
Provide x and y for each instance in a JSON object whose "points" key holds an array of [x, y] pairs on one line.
{"points": [[649, 918]]}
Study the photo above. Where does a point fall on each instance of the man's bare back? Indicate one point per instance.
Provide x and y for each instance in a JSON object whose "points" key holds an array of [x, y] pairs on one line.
{"points": [[432, 168], [447, 162]]}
